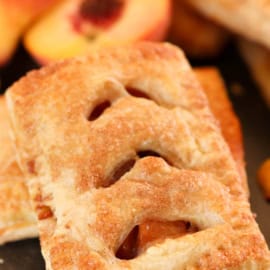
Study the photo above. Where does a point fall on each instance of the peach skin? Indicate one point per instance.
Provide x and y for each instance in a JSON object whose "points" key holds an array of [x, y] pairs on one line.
{"points": [[15, 16]]}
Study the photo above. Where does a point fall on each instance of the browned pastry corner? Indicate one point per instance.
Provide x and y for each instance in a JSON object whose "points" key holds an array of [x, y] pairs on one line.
{"points": [[17, 219], [78, 123], [258, 60], [250, 18], [198, 36]]}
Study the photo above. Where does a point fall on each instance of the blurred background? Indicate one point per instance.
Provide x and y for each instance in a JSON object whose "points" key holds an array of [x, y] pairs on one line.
{"points": [[36, 33]]}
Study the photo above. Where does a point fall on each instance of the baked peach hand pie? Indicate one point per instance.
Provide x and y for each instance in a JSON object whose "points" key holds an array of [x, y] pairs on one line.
{"points": [[17, 219], [121, 140], [17, 216], [249, 18]]}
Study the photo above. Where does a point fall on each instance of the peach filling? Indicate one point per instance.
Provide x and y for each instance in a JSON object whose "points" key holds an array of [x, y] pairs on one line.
{"points": [[151, 232], [44, 212]]}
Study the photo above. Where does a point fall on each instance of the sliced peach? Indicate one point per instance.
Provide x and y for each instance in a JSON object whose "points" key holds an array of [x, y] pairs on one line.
{"points": [[264, 178], [15, 16], [76, 27]]}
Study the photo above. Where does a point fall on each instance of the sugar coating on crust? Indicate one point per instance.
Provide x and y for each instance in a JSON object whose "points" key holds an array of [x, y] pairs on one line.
{"points": [[70, 160], [249, 18]]}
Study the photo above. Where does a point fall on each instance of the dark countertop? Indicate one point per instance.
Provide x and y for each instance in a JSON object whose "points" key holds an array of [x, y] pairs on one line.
{"points": [[249, 106]]}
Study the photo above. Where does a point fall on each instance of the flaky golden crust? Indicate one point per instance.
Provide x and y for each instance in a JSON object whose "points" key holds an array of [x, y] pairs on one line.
{"points": [[250, 18], [71, 158], [17, 219]]}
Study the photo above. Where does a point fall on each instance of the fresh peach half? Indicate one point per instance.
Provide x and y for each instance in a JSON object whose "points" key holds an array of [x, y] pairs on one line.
{"points": [[15, 16], [76, 27]]}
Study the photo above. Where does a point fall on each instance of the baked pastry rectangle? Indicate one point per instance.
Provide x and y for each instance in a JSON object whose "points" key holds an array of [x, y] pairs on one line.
{"points": [[137, 109], [249, 18], [14, 191]]}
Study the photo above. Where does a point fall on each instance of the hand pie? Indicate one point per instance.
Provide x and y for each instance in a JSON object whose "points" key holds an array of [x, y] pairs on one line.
{"points": [[14, 192], [122, 137], [258, 60], [250, 18], [209, 39], [17, 219]]}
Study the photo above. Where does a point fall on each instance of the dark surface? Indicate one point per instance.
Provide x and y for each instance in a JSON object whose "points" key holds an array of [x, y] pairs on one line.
{"points": [[249, 106]]}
